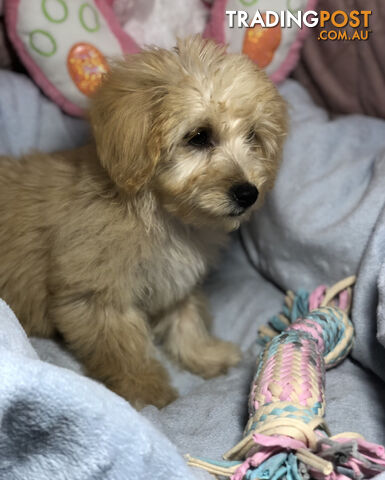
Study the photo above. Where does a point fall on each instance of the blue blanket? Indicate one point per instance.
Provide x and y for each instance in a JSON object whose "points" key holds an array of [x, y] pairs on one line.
{"points": [[58, 424]]}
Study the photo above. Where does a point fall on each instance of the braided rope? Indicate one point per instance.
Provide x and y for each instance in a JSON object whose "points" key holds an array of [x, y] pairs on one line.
{"points": [[286, 435]]}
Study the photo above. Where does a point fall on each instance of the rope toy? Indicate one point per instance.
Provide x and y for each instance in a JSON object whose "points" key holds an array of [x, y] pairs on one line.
{"points": [[286, 436]]}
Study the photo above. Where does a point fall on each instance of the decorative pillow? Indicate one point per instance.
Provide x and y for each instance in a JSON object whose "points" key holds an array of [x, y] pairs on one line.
{"points": [[64, 45], [274, 48]]}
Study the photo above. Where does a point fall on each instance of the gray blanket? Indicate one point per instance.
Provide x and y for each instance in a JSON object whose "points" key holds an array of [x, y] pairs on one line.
{"points": [[323, 221]]}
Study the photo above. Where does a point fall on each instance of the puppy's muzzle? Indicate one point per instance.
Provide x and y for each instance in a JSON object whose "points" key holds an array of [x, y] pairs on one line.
{"points": [[244, 195]]}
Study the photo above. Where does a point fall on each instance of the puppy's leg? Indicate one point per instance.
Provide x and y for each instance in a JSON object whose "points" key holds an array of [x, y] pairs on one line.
{"points": [[187, 339], [115, 348]]}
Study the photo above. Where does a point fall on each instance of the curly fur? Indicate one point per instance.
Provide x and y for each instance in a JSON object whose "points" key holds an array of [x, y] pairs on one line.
{"points": [[107, 244]]}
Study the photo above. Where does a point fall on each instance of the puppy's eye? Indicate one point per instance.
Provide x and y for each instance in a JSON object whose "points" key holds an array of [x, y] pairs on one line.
{"points": [[252, 136], [202, 138]]}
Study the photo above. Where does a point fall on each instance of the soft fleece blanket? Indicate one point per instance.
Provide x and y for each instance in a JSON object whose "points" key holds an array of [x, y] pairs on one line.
{"points": [[324, 220]]}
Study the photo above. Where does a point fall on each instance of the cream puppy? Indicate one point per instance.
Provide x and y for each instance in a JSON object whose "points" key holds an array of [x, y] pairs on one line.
{"points": [[107, 245]]}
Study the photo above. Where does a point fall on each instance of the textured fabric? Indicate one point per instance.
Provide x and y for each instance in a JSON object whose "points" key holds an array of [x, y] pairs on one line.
{"points": [[330, 190], [369, 303], [346, 76], [57, 424], [28, 121]]}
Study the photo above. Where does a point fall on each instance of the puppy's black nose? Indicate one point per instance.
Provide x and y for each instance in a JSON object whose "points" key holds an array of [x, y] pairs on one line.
{"points": [[245, 194]]}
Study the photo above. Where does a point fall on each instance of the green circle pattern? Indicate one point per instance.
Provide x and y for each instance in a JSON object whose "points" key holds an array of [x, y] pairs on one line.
{"points": [[96, 17], [248, 3], [49, 17], [38, 50]]}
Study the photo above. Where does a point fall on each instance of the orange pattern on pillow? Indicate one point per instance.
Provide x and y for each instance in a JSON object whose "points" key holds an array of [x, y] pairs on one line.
{"points": [[86, 65], [260, 43]]}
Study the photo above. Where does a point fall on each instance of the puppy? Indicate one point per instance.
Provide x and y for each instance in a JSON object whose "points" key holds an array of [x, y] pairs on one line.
{"points": [[107, 245]]}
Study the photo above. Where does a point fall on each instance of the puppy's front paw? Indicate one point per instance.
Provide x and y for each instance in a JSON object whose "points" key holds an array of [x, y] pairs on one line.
{"points": [[214, 358], [150, 386], [156, 393]]}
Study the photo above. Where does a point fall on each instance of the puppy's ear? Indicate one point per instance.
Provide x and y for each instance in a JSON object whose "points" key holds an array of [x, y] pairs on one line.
{"points": [[121, 114]]}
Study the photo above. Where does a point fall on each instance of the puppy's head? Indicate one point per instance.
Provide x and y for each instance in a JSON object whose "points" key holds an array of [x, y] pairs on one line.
{"points": [[201, 129]]}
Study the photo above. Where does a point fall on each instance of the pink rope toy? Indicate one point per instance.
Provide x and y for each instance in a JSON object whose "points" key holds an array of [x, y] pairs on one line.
{"points": [[286, 436]]}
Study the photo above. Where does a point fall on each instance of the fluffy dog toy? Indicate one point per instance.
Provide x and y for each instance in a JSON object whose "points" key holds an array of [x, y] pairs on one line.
{"points": [[286, 435]]}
